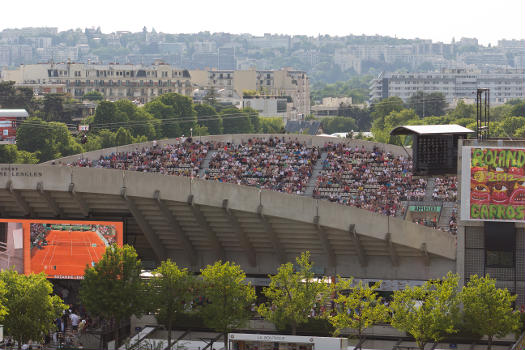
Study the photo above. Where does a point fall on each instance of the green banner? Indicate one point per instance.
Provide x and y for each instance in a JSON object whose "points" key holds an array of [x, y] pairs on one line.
{"points": [[425, 208]]}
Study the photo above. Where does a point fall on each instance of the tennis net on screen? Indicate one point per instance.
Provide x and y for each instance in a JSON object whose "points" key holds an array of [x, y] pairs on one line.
{"points": [[73, 244]]}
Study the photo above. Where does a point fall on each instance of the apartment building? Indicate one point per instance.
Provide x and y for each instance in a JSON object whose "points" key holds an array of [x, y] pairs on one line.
{"points": [[115, 81], [284, 82], [455, 84]]}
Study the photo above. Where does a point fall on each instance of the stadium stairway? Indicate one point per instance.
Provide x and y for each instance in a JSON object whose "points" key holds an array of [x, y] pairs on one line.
{"points": [[315, 174], [206, 163], [446, 212], [430, 189]]}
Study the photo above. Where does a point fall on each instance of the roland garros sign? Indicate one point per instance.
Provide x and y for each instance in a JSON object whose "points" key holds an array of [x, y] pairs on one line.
{"points": [[493, 184]]}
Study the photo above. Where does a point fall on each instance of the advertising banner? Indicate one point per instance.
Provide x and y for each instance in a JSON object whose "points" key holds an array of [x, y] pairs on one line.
{"points": [[493, 184], [60, 248]]}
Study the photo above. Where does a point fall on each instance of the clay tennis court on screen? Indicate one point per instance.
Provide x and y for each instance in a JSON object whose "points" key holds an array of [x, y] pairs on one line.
{"points": [[63, 249]]}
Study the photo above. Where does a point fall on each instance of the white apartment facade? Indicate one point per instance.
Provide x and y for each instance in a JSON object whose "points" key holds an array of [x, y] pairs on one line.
{"points": [[284, 82], [115, 81], [454, 84]]}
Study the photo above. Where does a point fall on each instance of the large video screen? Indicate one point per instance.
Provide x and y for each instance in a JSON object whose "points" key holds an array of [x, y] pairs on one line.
{"points": [[493, 184], [60, 248]]}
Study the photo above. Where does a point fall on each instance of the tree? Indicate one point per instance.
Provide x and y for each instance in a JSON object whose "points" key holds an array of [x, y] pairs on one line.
{"points": [[13, 97], [360, 115], [271, 125], [207, 116], [518, 108], [123, 137], [108, 115], [183, 110], [113, 289], [487, 310], [10, 154], [254, 119], [338, 124], [381, 109], [292, 295], [54, 108], [381, 128], [32, 309], [235, 121], [428, 312], [93, 96], [358, 307], [424, 104], [229, 297], [171, 293], [47, 140]]}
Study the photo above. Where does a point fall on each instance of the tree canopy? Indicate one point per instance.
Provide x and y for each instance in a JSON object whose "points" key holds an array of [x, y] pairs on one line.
{"points": [[31, 307], [428, 312], [229, 297], [112, 288], [171, 292], [358, 307], [293, 294], [487, 309]]}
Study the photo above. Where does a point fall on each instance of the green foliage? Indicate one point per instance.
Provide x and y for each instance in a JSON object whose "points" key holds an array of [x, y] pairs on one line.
{"points": [[382, 127], [332, 125], [48, 140], [171, 292], [488, 310], [360, 115], [93, 96], [429, 312], [229, 297], [12, 97], [356, 87], [381, 109], [10, 154], [271, 125], [254, 119], [113, 289], [31, 308], [54, 108], [235, 121], [107, 114], [182, 107], [432, 104], [207, 116], [292, 295], [358, 307], [518, 108], [123, 137]]}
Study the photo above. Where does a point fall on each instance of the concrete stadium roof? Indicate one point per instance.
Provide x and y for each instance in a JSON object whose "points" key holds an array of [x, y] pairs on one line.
{"points": [[196, 222]]}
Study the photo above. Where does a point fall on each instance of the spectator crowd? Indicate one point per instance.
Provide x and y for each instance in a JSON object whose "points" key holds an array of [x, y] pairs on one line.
{"points": [[270, 164], [374, 180]]}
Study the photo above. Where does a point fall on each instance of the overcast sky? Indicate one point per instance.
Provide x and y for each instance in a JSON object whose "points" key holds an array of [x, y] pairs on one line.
{"points": [[439, 20]]}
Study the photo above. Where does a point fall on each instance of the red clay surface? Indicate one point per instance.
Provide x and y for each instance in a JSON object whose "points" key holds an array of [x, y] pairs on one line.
{"points": [[67, 260]]}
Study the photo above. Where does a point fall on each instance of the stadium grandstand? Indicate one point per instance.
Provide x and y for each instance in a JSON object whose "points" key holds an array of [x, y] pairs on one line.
{"points": [[261, 200]]}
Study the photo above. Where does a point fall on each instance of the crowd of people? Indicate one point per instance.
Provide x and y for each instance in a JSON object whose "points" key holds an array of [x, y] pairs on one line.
{"points": [[182, 158], [445, 189], [374, 180], [265, 163]]}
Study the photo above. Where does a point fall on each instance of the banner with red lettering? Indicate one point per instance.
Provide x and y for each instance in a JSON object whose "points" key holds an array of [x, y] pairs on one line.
{"points": [[493, 184]]}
